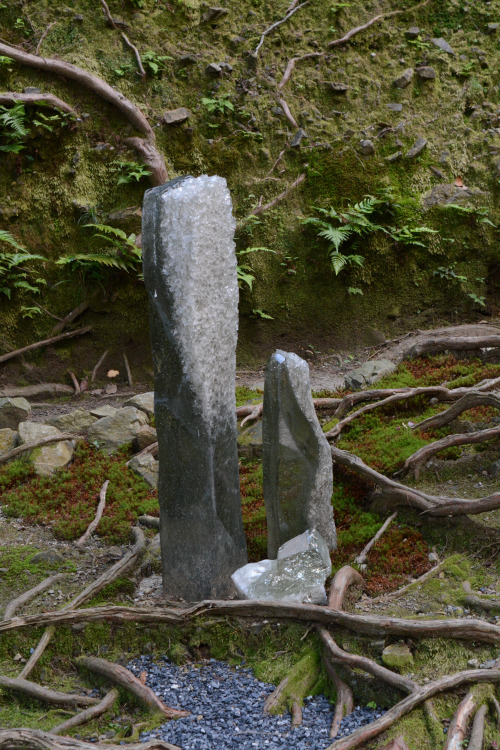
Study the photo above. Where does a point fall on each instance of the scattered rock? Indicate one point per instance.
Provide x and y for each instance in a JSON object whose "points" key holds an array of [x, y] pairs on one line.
{"points": [[48, 458], [226, 66], [126, 215], [492, 28], [416, 149], [120, 429], [368, 373], [13, 411], [213, 69], [213, 14], [297, 138], [494, 469], [77, 421], [442, 44], [106, 410], [366, 147], [189, 59], [149, 585], [175, 116], [396, 156], [51, 556], [144, 402], [442, 194], [145, 435], [412, 33], [147, 467], [404, 80], [337, 87], [395, 106], [426, 73], [398, 656], [8, 440]]}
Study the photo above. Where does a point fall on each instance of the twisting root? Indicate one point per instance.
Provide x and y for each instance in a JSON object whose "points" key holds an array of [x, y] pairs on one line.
{"points": [[360, 559], [98, 515], [90, 713], [125, 38], [477, 733], [13, 606], [458, 727], [288, 15]]}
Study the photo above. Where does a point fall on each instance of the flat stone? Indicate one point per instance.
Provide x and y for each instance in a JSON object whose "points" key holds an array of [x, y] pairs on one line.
{"points": [[120, 429], [412, 33], [48, 458], [144, 402], [297, 138], [443, 45], [189, 59], [416, 149], [190, 275], [398, 656], [176, 116], [337, 87], [106, 410], [145, 435], [492, 28], [368, 373], [395, 106], [13, 411], [124, 215], [404, 79], [494, 469], [77, 421], [297, 575], [445, 193], [213, 69], [425, 72], [366, 147], [8, 440], [51, 556], [147, 467], [297, 464]]}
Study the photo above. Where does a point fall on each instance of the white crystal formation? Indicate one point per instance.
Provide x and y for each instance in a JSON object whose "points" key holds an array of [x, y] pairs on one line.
{"points": [[190, 273], [297, 575]]}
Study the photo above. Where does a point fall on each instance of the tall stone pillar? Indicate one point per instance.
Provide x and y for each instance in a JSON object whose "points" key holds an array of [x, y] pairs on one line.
{"points": [[297, 463], [190, 274]]}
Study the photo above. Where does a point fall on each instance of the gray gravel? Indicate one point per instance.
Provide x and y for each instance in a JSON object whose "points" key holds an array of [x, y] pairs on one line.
{"points": [[226, 707]]}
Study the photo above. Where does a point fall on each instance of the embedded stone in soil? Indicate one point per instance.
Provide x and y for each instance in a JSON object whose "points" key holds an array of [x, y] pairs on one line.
{"points": [[226, 706]]}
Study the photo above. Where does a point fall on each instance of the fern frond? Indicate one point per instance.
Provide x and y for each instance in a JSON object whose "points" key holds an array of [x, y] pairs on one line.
{"points": [[7, 237], [106, 229], [335, 235]]}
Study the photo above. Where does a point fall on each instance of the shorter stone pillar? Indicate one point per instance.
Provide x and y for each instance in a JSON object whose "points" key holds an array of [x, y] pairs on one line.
{"points": [[297, 463]]}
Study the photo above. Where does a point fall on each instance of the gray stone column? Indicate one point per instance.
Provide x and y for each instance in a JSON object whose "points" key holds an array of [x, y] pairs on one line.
{"points": [[297, 463], [190, 273]]}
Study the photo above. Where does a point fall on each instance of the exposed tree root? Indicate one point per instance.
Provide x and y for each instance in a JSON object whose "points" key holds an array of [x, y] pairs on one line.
{"points": [[31, 446], [150, 521], [345, 700], [296, 714], [477, 733], [461, 629], [44, 34], [458, 727], [485, 605], [415, 462], [153, 449], [90, 713], [146, 148], [360, 559], [45, 390], [35, 739], [76, 384], [286, 109], [71, 316], [128, 370], [118, 675], [28, 596], [9, 97], [260, 209], [98, 515], [45, 342], [469, 401], [98, 364], [273, 700], [408, 586], [343, 579], [251, 412], [109, 17], [290, 66], [443, 343], [127, 561], [399, 494], [43, 694], [288, 15]]}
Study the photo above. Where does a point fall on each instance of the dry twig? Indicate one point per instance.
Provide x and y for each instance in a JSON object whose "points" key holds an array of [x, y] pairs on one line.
{"points": [[44, 34], [125, 38], [98, 364], [98, 515], [288, 15], [40, 443], [261, 208], [45, 342], [360, 559]]}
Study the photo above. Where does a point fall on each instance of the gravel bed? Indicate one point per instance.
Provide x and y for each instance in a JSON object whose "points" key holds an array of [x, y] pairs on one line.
{"points": [[226, 707]]}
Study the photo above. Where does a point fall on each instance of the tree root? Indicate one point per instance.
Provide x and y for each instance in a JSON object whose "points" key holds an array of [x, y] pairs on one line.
{"points": [[90, 713], [288, 15], [360, 559], [399, 494], [415, 462], [43, 694], [468, 401], [125, 679], [150, 521], [343, 579], [486, 605], [151, 157], [477, 733], [252, 412], [107, 577], [31, 446], [345, 700], [48, 390], [408, 586], [260, 209], [458, 727], [452, 343], [35, 739], [98, 515], [98, 364], [9, 97], [461, 629], [290, 66], [125, 38], [286, 109], [14, 604], [45, 342]]}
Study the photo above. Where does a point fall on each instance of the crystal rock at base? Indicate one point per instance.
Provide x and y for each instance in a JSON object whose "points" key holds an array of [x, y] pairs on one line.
{"points": [[297, 463], [190, 273]]}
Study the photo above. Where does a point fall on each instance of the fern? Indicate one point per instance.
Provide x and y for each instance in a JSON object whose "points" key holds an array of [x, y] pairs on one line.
{"points": [[12, 273], [13, 127]]}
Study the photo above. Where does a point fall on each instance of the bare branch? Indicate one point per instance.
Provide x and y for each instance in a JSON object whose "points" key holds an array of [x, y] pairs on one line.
{"points": [[33, 690], [98, 515], [18, 602], [469, 401], [289, 14], [98, 364], [45, 342], [286, 109], [360, 559], [40, 41], [90, 713], [11, 97], [260, 209]]}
